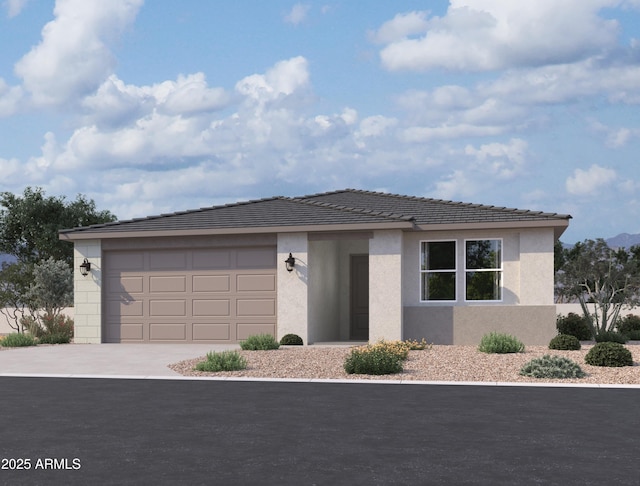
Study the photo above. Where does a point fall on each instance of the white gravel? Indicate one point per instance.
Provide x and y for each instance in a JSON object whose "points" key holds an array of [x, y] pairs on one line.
{"points": [[439, 363]]}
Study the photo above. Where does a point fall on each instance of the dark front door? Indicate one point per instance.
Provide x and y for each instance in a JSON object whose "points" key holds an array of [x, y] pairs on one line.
{"points": [[360, 297]]}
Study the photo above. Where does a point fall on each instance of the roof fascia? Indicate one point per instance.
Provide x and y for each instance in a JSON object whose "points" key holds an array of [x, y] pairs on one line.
{"points": [[559, 225]]}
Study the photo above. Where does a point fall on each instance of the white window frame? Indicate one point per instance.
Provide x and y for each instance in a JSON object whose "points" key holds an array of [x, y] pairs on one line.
{"points": [[501, 270], [421, 272]]}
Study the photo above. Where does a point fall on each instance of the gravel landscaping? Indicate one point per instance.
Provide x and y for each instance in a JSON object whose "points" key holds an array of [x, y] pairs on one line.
{"points": [[438, 363]]}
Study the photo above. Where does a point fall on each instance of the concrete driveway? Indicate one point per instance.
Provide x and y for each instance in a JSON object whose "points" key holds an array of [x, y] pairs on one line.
{"points": [[101, 360]]}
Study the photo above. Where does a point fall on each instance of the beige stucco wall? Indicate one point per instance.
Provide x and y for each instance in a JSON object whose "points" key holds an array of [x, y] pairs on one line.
{"points": [[385, 285], [346, 248], [292, 286], [87, 292], [536, 266]]}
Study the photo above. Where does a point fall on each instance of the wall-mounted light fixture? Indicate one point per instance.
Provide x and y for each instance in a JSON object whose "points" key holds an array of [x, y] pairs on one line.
{"points": [[85, 267], [290, 263]]}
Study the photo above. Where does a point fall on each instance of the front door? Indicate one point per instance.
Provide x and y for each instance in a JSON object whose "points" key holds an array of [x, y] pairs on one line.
{"points": [[360, 297]]}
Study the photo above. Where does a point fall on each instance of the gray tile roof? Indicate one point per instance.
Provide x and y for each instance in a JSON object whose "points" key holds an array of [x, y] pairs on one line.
{"points": [[346, 207]]}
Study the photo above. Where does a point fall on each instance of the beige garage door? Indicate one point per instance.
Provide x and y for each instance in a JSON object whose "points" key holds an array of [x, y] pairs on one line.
{"points": [[217, 295]]}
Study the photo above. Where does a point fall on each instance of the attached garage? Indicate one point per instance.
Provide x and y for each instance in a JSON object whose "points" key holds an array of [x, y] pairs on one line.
{"points": [[205, 295]]}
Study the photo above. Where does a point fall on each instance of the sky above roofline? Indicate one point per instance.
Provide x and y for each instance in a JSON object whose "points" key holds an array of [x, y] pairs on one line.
{"points": [[156, 107]]}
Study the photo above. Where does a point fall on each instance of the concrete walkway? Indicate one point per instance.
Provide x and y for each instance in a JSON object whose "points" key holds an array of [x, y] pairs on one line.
{"points": [[102, 360]]}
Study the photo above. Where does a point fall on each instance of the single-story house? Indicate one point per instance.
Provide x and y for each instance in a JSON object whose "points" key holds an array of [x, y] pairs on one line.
{"points": [[337, 266]]}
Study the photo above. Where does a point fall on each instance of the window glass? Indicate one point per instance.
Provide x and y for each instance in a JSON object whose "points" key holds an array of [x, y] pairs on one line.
{"points": [[438, 270], [483, 265]]}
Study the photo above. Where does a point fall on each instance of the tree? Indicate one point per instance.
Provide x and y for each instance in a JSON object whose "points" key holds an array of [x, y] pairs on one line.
{"points": [[52, 288], [29, 224], [15, 280], [607, 279]]}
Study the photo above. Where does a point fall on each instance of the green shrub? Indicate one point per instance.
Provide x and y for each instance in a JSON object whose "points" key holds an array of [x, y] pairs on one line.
{"points": [[609, 354], [629, 324], [495, 342], [16, 340], [56, 338], [222, 361], [574, 325], [48, 325], [634, 335], [611, 337], [259, 342], [291, 340], [552, 367], [564, 341], [415, 345], [377, 359]]}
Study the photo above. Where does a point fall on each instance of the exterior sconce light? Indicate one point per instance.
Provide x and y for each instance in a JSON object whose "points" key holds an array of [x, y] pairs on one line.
{"points": [[85, 267], [290, 262]]}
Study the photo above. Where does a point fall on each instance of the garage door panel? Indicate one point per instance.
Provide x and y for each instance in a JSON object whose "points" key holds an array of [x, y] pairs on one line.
{"points": [[163, 331], [121, 309], [256, 307], [246, 329], [252, 282], [167, 260], [212, 308], [216, 295], [212, 332], [212, 259], [167, 308], [176, 283], [211, 283]]}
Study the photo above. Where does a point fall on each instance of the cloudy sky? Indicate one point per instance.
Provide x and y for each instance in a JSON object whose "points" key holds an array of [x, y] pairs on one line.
{"points": [[164, 106]]}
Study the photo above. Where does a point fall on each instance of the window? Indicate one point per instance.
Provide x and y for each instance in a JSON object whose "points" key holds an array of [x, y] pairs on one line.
{"points": [[438, 270], [483, 270]]}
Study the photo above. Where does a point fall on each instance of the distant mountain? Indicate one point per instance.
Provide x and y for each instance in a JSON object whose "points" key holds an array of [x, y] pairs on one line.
{"points": [[623, 240]]}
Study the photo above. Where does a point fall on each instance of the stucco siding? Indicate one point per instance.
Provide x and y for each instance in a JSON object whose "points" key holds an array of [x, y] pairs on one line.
{"points": [[385, 285], [533, 325], [536, 267], [292, 305]]}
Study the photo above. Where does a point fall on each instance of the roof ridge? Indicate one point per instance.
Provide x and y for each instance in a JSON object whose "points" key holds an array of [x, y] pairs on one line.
{"points": [[341, 207]]}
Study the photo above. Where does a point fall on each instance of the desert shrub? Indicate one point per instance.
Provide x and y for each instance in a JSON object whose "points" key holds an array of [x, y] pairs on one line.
{"points": [[574, 325], [16, 340], [376, 359], [55, 338], [222, 361], [495, 342], [259, 342], [291, 340], [564, 341], [629, 324], [48, 325], [611, 337], [415, 345], [609, 354], [552, 367]]}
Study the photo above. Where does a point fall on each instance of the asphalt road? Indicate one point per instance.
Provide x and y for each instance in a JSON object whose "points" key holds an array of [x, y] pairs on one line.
{"points": [[156, 432]]}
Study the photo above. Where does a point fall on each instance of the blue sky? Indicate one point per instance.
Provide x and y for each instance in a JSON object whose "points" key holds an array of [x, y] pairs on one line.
{"points": [[164, 106]]}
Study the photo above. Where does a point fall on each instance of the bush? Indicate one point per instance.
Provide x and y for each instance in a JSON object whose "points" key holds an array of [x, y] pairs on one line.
{"points": [[378, 359], [629, 324], [495, 342], [609, 354], [564, 341], [611, 337], [16, 340], [574, 325], [415, 345], [552, 367], [291, 340], [49, 325], [634, 335], [223, 361], [259, 342], [55, 338]]}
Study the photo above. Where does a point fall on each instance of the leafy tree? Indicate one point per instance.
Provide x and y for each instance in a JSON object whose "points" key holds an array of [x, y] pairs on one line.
{"points": [[608, 279], [52, 287], [29, 224], [15, 280]]}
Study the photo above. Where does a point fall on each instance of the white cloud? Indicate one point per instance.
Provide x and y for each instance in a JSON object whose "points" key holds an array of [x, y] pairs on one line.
{"points": [[298, 14], [500, 160], [74, 58], [14, 7], [10, 99], [480, 35], [589, 182], [400, 27], [456, 186], [281, 80]]}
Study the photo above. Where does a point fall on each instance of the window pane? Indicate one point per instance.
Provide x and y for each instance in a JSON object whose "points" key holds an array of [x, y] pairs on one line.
{"points": [[439, 255], [439, 286], [483, 286], [483, 254]]}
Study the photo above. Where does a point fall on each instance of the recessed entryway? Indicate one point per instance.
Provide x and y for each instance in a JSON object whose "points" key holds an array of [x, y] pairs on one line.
{"points": [[359, 305]]}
